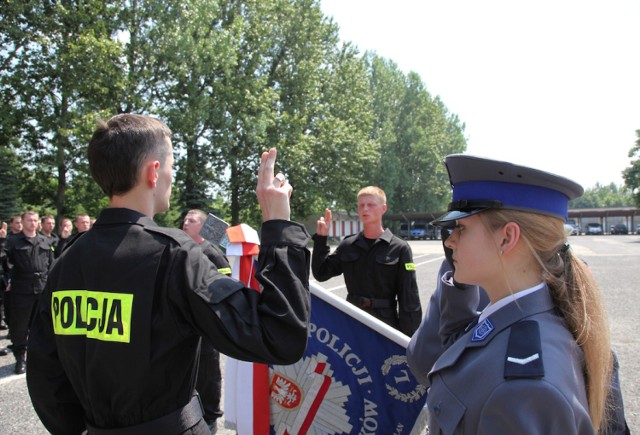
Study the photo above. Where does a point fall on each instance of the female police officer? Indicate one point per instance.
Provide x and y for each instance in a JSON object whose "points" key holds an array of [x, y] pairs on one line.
{"points": [[114, 345], [538, 359]]}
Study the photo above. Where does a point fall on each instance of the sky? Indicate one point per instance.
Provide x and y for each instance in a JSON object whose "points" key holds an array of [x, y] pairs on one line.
{"points": [[551, 84]]}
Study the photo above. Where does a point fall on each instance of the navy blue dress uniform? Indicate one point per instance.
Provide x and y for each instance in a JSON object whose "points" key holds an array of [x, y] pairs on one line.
{"points": [[105, 326], [26, 261], [516, 368], [379, 274]]}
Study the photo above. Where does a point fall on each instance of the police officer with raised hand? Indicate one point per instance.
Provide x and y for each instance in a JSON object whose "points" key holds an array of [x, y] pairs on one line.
{"points": [[377, 266], [113, 349]]}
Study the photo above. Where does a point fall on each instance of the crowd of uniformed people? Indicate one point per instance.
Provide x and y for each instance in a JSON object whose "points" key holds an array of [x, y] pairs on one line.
{"points": [[158, 310], [27, 251]]}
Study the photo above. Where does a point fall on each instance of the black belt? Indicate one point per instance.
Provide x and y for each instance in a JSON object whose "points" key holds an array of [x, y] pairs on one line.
{"points": [[174, 423], [362, 302]]}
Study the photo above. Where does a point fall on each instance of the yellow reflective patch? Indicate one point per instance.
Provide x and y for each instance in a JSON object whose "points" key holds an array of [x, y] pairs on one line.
{"points": [[97, 315], [225, 270], [410, 266]]}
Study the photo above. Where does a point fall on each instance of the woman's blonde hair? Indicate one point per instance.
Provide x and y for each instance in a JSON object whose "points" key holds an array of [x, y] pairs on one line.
{"points": [[576, 296]]}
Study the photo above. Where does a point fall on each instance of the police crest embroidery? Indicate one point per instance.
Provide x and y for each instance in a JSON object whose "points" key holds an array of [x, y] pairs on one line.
{"points": [[482, 331]]}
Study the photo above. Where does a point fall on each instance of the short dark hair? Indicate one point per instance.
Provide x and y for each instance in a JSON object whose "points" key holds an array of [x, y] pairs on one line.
{"points": [[119, 147]]}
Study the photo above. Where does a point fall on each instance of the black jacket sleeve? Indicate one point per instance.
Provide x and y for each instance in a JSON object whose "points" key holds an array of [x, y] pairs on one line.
{"points": [[268, 326], [324, 265]]}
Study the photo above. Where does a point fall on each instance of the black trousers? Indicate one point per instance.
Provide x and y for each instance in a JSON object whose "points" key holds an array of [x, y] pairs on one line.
{"points": [[22, 307], [4, 302], [209, 382]]}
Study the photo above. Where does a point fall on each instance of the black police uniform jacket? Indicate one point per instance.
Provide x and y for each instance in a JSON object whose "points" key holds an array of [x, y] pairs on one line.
{"points": [[26, 261], [115, 338], [216, 256], [382, 271]]}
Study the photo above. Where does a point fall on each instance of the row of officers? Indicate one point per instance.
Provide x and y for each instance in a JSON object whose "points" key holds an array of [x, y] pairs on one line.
{"points": [[26, 254]]}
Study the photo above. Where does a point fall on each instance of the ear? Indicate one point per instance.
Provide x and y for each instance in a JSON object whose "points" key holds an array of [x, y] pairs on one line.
{"points": [[384, 208], [510, 235], [150, 172]]}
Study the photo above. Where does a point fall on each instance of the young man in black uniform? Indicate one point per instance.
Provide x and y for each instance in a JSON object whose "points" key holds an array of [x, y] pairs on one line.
{"points": [[377, 266], [209, 382], [27, 258], [47, 224], [114, 346]]}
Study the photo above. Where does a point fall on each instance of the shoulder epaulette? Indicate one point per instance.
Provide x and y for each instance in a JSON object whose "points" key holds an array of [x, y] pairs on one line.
{"points": [[524, 351], [71, 240], [177, 235]]}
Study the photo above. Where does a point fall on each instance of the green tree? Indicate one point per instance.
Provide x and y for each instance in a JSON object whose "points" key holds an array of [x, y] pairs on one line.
{"points": [[601, 196], [328, 151], [9, 176], [631, 174], [194, 49], [387, 84], [60, 67], [242, 77], [416, 132]]}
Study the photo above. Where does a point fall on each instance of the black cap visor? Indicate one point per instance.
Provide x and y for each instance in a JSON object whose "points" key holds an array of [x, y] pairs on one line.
{"points": [[465, 208]]}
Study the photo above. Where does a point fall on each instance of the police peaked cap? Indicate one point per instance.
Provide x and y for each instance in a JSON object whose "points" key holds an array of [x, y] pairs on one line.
{"points": [[480, 184]]}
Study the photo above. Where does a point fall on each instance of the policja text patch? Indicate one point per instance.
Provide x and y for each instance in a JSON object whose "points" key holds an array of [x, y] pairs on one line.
{"points": [[97, 315]]}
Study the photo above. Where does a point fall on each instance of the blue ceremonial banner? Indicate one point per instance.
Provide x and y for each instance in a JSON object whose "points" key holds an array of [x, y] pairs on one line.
{"points": [[353, 379]]}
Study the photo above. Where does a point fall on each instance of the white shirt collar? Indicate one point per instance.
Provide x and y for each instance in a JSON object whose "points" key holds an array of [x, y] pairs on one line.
{"points": [[492, 308]]}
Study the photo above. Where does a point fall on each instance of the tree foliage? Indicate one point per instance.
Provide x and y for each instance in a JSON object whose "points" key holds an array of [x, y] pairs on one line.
{"points": [[415, 132], [601, 196], [9, 173], [231, 79], [631, 174], [59, 69]]}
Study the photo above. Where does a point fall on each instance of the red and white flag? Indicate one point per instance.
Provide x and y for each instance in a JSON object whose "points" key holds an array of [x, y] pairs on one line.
{"points": [[246, 384]]}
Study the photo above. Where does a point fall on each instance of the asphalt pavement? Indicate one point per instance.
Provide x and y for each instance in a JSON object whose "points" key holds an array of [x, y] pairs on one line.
{"points": [[614, 261]]}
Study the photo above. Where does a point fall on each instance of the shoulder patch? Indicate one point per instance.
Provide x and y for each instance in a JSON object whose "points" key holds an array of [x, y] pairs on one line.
{"points": [[524, 351]]}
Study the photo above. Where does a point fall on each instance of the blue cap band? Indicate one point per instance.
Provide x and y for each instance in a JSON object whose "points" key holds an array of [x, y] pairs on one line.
{"points": [[516, 196]]}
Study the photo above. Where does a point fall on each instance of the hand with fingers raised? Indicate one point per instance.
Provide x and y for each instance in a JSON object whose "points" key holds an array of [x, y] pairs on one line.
{"points": [[273, 192], [324, 224]]}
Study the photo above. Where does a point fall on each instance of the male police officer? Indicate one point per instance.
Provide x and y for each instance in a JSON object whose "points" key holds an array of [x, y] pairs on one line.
{"points": [[26, 257], [209, 382], [377, 266], [114, 347]]}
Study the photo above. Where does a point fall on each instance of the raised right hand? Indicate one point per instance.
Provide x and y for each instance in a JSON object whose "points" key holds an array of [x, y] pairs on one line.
{"points": [[3, 230], [324, 223], [273, 192]]}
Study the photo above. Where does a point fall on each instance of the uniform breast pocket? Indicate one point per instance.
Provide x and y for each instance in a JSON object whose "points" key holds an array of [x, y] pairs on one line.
{"points": [[387, 260], [349, 257], [445, 410], [44, 248]]}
